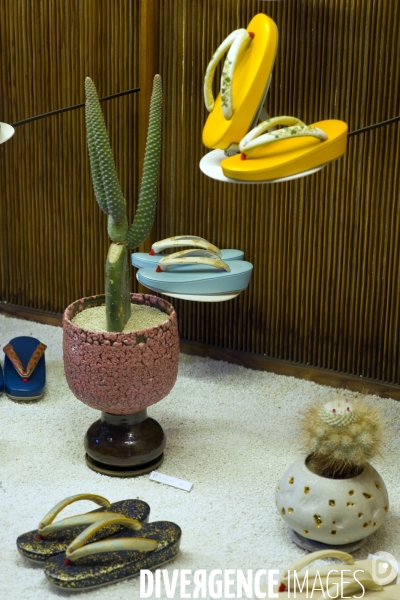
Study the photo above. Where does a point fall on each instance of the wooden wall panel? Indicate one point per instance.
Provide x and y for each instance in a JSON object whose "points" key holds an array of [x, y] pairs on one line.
{"points": [[54, 236], [324, 297], [325, 288]]}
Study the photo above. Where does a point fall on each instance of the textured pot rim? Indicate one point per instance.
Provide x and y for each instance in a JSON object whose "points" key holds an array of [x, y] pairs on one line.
{"points": [[115, 334], [303, 460]]}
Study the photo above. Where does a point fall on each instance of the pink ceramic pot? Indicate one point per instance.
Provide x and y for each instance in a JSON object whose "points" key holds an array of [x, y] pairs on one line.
{"points": [[121, 373]]}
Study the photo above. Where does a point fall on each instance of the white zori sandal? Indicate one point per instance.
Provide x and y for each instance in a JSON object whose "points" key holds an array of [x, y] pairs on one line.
{"points": [[6, 132], [371, 579], [197, 275], [142, 260]]}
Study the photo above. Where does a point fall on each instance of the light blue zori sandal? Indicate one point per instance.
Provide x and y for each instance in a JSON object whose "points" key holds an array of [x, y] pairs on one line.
{"points": [[198, 275], [142, 260]]}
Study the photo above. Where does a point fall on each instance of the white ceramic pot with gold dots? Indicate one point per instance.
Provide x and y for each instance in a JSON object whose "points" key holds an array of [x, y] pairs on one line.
{"points": [[331, 511]]}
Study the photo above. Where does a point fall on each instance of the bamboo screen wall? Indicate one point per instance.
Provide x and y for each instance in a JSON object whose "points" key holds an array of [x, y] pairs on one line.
{"points": [[325, 288], [54, 237]]}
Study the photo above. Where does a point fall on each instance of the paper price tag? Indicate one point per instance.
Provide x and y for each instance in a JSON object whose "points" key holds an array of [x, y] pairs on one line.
{"points": [[181, 484]]}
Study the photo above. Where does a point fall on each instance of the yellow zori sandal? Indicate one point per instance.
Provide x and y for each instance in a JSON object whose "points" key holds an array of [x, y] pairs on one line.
{"points": [[245, 81], [296, 149]]}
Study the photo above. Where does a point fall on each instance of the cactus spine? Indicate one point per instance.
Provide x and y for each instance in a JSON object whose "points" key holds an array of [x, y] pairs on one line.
{"points": [[111, 200], [342, 437]]}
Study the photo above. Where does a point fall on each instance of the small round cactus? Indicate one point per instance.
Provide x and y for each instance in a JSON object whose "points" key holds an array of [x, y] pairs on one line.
{"points": [[341, 436]]}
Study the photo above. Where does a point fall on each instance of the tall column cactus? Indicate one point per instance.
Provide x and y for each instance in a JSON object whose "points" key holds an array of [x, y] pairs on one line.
{"points": [[111, 200]]}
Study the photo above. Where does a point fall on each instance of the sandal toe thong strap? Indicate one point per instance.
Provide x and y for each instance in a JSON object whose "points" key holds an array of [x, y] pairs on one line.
{"points": [[79, 547], [305, 561], [184, 240], [235, 42], [358, 577], [46, 525], [16, 361], [293, 128], [192, 257], [297, 571]]}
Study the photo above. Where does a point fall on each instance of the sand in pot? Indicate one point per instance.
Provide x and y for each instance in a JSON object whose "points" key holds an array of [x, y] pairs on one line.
{"points": [[142, 317]]}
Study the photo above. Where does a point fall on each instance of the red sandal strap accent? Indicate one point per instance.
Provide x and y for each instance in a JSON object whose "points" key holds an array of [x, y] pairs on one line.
{"points": [[16, 361]]}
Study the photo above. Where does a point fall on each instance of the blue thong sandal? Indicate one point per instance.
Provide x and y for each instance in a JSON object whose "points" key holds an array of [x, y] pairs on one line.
{"points": [[24, 368], [142, 260], [198, 275]]}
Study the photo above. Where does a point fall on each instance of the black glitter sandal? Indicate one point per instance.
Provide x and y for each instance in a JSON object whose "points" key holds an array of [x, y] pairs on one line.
{"points": [[51, 538], [89, 565]]}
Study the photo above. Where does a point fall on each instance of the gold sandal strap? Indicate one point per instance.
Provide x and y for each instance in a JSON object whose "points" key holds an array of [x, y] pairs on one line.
{"points": [[78, 521], [307, 560], [192, 257], [184, 240], [79, 547], [51, 515]]}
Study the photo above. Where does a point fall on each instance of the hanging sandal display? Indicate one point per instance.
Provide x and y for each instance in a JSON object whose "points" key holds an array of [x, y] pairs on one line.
{"points": [[198, 275], [244, 156]]}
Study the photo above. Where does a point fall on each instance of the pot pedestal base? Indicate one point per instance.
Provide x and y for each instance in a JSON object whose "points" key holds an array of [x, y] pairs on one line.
{"points": [[313, 546], [122, 471], [124, 445]]}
